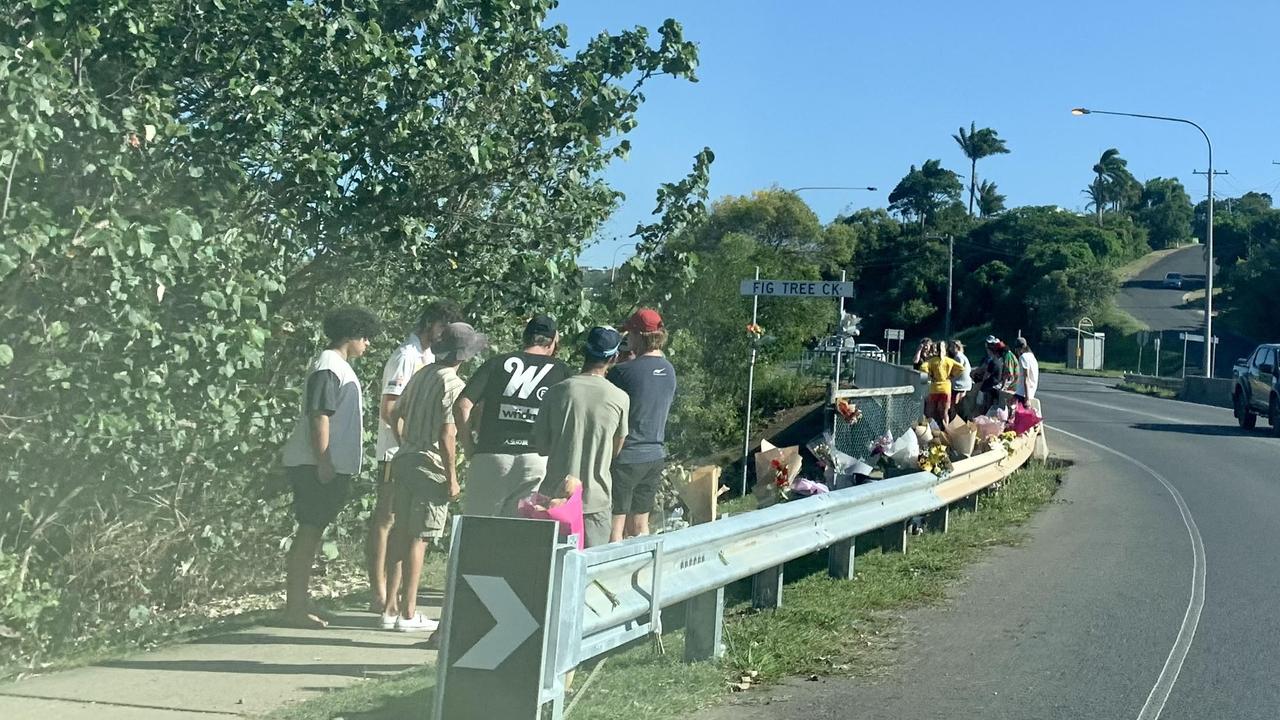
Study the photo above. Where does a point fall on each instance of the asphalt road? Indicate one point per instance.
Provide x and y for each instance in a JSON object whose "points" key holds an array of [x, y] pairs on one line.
{"points": [[1108, 610], [1156, 306]]}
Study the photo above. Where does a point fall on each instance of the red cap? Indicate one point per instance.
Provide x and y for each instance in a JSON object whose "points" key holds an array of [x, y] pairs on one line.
{"points": [[644, 320]]}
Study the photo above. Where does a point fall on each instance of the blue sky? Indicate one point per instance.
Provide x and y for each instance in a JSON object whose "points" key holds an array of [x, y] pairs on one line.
{"points": [[822, 92]]}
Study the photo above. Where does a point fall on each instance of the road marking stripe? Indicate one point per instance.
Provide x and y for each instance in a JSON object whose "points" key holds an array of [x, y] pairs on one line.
{"points": [[1159, 695], [1166, 418]]}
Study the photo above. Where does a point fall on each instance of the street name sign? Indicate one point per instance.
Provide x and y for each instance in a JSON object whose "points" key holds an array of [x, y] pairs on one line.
{"points": [[497, 599], [893, 334], [798, 288], [1192, 337]]}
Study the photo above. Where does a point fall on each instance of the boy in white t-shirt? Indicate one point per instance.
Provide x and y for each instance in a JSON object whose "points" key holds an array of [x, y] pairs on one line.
{"points": [[324, 450], [1028, 372], [412, 355]]}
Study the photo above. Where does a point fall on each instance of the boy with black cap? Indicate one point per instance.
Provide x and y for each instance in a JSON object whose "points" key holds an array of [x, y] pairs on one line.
{"points": [[425, 469], [495, 417], [581, 427]]}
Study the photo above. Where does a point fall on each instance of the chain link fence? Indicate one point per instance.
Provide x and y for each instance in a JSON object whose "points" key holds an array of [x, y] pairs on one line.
{"points": [[887, 412]]}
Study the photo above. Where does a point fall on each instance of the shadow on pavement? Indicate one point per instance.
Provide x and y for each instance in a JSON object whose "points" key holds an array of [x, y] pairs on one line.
{"points": [[253, 667], [1211, 430], [319, 637]]}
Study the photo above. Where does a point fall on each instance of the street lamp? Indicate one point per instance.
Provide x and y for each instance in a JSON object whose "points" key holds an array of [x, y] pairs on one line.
{"points": [[613, 265], [830, 187], [1208, 242]]}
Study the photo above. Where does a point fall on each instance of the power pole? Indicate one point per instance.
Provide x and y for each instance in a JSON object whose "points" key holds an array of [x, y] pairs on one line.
{"points": [[1208, 274]]}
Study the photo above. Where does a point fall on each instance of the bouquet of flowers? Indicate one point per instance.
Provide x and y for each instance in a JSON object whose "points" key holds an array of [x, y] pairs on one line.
{"points": [[848, 411], [937, 461], [1006, 439], [754, 331], [879, 452], [781, 479]]}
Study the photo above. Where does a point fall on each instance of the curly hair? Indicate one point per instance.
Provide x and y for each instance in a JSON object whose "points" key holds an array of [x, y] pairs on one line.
{"points": [[351, 323], [439, 311]]}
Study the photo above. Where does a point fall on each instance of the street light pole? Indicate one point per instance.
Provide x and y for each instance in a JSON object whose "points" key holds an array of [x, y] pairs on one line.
{"points": [[613, 265], [1208, 242]]}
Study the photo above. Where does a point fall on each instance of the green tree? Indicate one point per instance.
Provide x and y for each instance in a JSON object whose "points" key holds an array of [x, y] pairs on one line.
{"points": [[924, 192], [185, 189], [990, 201], [1165, 211], [1118, 188], [978, 144]]}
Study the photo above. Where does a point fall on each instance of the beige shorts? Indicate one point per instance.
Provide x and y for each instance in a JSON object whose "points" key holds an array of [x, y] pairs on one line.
{"points": [[421, 502]]}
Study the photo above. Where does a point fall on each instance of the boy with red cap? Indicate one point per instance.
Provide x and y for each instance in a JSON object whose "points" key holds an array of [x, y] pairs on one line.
{"points": [[650, 382]]}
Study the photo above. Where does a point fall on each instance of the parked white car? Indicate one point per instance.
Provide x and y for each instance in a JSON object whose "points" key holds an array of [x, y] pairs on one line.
{"points": [[869, 350]]}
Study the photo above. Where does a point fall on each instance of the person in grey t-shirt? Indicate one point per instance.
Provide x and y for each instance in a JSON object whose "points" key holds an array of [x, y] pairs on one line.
{"points": [[650, 381]]}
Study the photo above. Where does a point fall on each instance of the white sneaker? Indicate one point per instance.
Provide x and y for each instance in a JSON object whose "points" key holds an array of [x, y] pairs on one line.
{"points": [[388, 622], [417, 623]]}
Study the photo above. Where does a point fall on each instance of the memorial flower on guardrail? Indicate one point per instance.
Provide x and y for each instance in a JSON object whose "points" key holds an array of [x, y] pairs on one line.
{"points": [[781, 479], [1006, 439], [937, 461], [754, 331], [848, 411]]}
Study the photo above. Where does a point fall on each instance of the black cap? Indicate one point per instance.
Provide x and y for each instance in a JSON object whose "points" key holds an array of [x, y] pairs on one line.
{"points": [[602, 343], [540, 325]]}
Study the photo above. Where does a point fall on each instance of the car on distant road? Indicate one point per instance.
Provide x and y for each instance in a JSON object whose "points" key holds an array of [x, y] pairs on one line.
{"points": [[869, 350], [1173, 280], [835, 342], [1256, 389]]}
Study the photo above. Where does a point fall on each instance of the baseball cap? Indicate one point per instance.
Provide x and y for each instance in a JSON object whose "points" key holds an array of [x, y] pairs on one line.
{"points": [[540, 325], [993, 340], [644, 320], [602, 343], [459, 342]]}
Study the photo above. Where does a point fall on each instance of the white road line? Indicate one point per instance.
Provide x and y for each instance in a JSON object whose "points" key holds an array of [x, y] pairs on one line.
{"points": [[1159, 695], [1166, 418]]}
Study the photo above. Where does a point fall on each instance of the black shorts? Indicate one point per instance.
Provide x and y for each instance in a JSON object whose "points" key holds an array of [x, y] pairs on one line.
{"points": [[314, 503], [635, 485]]}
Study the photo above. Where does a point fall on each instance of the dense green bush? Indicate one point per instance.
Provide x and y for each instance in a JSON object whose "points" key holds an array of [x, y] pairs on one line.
{"points": [[186, 187]]}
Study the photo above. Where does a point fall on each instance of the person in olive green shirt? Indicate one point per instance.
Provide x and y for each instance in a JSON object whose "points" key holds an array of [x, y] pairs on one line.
{"points": [[581, 428]]}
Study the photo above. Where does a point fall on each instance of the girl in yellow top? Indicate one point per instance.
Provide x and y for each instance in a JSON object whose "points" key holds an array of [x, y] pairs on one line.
{"points": [[932, 361]]}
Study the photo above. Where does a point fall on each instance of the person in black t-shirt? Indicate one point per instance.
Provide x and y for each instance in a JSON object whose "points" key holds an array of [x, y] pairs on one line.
{"points": [[495, 417], [650, 381]]}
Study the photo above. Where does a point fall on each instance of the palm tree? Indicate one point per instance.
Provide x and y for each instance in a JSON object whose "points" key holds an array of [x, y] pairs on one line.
{"points": [[1097, 194], [977, 144], [1116, 182], [990, 201]]}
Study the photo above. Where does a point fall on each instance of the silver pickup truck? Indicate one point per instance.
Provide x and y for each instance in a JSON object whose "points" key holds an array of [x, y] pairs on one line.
{"points": [[1257, 387]]}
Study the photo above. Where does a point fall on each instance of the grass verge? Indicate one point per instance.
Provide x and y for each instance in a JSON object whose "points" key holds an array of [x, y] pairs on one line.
{"points": [[1062, 369], [1151, 390], [825, 627]]}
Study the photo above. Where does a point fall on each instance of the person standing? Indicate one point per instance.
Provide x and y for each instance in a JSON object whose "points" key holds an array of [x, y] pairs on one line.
{"points": [[650, 383], [990, 375], [962, 385], [412, 355], [581, 427], [1028, 372], [425, 470], [324, 451], [495, 417], [932, 360]]}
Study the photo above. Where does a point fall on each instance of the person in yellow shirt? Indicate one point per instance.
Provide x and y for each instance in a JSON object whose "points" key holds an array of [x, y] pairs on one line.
{"points": [[933, 362]]}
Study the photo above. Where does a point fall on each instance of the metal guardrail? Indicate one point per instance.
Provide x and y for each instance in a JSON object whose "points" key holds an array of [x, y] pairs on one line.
{"points": [[602, 598]]}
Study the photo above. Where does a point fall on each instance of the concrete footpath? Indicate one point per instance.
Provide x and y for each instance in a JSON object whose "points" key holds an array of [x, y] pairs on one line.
{"points": [[243, 673]]}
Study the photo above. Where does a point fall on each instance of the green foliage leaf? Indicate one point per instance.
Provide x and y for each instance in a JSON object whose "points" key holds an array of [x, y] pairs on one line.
{"points": [[6, 355]]}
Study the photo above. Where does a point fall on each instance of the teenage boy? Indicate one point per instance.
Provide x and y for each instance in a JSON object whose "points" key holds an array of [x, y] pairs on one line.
{"points": [[650, 383], [581, 427], [1028, 372], [324, 450], [425, 470], [495, 417], [412, 355]]}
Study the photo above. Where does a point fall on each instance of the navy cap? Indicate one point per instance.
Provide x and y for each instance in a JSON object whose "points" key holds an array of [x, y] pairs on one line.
{"points": [[602, 343]]}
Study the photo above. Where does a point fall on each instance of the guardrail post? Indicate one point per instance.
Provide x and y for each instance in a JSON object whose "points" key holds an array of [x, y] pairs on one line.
{"points": [[840, 557], [766, 588], [968, 503], [893, 538], [938, 520], [704, 626]]}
